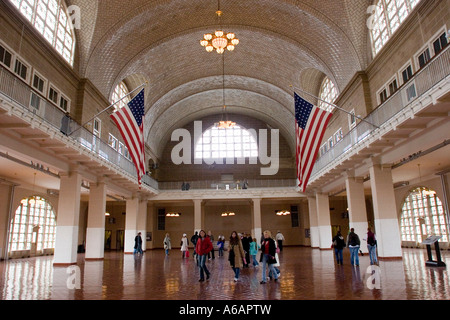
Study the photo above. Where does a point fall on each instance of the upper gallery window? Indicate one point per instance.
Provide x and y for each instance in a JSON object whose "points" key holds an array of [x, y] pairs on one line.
{"points": [[387, 17], [121, 96], [51, 19], [328, 93]]}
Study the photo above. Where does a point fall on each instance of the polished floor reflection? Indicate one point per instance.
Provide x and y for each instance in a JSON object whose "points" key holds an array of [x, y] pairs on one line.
{"points": [[305, 274]]}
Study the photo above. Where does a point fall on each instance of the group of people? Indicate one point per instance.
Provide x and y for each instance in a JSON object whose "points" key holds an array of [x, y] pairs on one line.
{"points": [[242, 250], [354, 244]]}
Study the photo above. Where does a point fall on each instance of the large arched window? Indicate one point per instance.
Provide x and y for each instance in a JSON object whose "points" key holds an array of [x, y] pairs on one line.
{"points": [[230, 143], [34, 223], [51, 19], [328, 93], [386, 17], [422, 216], [120, 94]]}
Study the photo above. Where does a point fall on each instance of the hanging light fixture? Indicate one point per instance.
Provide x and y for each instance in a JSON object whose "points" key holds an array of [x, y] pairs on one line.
{"points": [[283, 212], [173, 215], [219, 40], [224, 123]]}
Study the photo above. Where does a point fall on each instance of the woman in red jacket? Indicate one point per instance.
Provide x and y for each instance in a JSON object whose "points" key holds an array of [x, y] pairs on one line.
{"points": [[203, 247]]}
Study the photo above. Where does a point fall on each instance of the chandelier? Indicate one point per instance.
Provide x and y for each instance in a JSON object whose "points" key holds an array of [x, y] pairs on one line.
{"points": [[220, 40]]}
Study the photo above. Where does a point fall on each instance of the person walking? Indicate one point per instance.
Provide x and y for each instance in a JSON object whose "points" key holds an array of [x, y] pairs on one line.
{"points": [[138, 244], [211, 254], [338, 246], [236, 254], [194, 242], [203, 247], [372, 246], [184, 246], [353, 244], [246, 246], [167, 244], [268, 251], [280, 238], [276, 265], [254, 247]]}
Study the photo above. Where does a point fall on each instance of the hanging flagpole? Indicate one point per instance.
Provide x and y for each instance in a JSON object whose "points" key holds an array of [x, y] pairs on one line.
{"points": [[138, 88], [335, 106]]}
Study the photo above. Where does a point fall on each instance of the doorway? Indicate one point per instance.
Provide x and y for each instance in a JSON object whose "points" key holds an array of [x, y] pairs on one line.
{"points": [[120, 236], [108, 236]]}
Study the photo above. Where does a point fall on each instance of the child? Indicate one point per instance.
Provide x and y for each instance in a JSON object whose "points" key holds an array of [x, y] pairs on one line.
{"points": [[220, 245], [254, 247]]}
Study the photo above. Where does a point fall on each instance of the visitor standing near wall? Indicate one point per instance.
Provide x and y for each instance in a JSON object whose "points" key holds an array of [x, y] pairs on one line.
{"points": [[167, 244], [203, 247], [236, 254], [268, 251], [280, 239], [353, 244], [338, 246], [184, 247], [138, 244]]}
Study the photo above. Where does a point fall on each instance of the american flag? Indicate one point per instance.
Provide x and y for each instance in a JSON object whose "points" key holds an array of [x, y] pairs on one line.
{"points": [[130, 121], [310, 126]]}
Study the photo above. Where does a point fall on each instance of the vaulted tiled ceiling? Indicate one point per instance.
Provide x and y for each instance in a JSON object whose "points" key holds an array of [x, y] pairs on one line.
{"points": [[283, 43]]}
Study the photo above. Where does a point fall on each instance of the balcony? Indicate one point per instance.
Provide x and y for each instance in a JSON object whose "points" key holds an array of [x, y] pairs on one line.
{"points": [[23, 101], [402, 105]]}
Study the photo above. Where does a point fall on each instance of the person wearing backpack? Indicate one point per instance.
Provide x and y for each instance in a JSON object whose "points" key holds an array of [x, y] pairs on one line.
{"points": [[372, 247], [353, 244], [338, 245]]}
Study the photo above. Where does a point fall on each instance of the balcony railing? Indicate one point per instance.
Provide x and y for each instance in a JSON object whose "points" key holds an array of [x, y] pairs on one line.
{"points": [[29, 99], [424, 80], [222, 185]]}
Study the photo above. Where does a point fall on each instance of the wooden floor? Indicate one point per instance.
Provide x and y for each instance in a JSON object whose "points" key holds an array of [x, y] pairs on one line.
{"points": [[305, 274]]}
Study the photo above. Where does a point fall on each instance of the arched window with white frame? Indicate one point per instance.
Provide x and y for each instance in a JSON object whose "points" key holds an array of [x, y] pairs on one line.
{"points": [[34, 222], [328, 95], [387, 16], [236, 142], [121, 96], [51, 19], [423, 215]]}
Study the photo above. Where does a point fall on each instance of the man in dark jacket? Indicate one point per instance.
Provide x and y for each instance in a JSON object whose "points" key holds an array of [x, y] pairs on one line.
{"points": [[353, 244], [194, 241], [339, 245]]}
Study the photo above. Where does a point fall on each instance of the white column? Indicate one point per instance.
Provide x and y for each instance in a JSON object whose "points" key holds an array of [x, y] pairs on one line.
{"points": [[131, 231], [256, 219], [386, 220], [95, 233], [66, 243], [142, 222], [198, 215], [356, 200], [324, 221], [313, 224], [150, 223]]}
